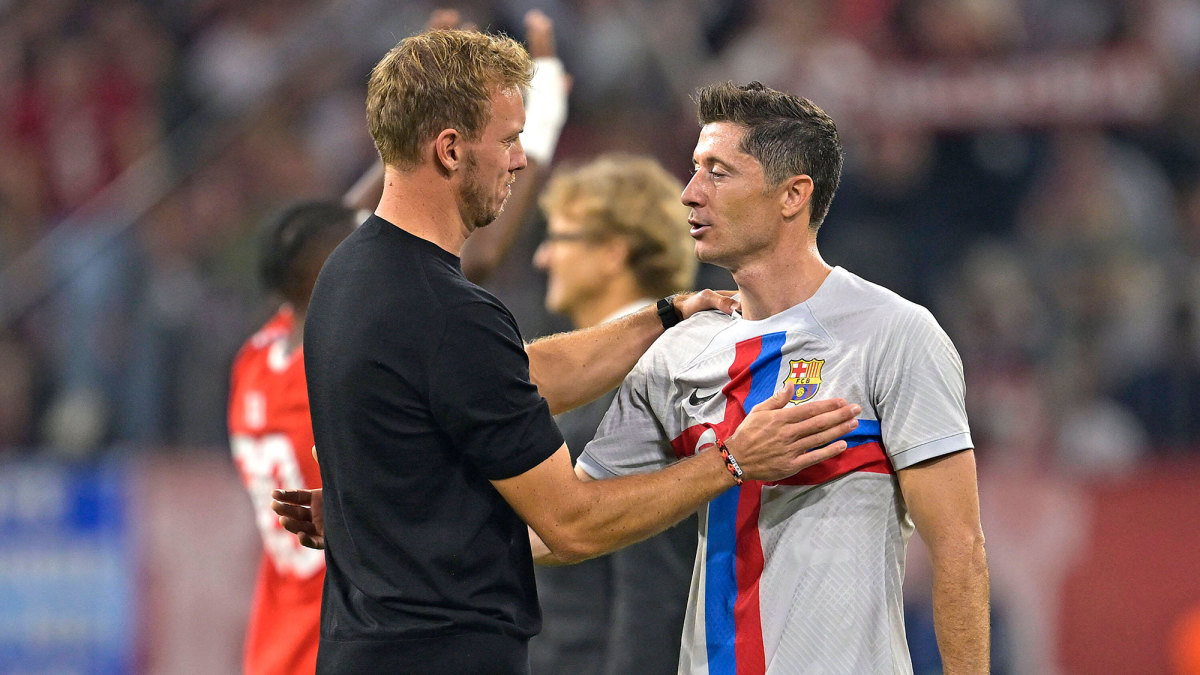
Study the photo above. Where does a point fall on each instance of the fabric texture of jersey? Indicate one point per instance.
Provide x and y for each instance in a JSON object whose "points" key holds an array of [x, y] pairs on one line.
{"points": [[420, 393], [272, 440], [802, 575]]}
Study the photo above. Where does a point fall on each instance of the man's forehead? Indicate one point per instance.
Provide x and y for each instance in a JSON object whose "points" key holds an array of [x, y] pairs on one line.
{"points": [[721, 140], [506, 102]]}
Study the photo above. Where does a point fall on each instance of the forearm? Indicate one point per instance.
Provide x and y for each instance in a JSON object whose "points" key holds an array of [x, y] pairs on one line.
{"points": [[961, 609], [617, 512], [571, 369], [943, 501]]}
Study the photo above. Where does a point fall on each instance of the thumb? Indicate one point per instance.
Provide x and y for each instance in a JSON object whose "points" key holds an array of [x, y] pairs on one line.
{"points": [[777, 400]]}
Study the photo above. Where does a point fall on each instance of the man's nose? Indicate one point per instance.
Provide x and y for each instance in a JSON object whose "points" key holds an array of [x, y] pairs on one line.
{"points": [[692, 195], [541, 256], [519, 160]]}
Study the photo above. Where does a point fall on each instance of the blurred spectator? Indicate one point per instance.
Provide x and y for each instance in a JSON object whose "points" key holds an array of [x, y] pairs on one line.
{"points": [[233, 62], [1086, 260], [1002, 328], [17, 384], [1096, 232]]}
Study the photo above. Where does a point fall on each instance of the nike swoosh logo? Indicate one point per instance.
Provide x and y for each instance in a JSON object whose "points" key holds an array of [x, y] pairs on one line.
{"points": [[697, 400]]}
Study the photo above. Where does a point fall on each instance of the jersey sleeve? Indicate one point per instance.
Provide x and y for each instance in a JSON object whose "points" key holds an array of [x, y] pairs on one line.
{"points": [[631, 438], [919, 391], [481, 396]]}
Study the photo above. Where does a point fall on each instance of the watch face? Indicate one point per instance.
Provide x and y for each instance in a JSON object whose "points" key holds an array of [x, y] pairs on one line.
{"points": [[666, 313]]}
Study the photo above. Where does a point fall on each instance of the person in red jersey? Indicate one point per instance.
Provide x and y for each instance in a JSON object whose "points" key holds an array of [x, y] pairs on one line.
{"points": [[271, 437]]}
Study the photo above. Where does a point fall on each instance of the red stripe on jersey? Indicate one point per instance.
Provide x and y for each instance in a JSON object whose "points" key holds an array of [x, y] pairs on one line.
{"points": [[867, 457], [735, 394], [747, 616]]}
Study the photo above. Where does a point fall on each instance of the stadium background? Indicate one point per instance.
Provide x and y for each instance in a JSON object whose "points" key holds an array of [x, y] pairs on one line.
{"points": [[1028, 169]]}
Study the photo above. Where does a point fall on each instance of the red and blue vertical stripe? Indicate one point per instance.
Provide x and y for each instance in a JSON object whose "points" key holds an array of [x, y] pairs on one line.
{"points": [[732, 623], [733, 556]]}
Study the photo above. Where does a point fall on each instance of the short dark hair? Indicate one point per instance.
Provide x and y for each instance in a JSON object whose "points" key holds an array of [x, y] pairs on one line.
{"points": [[291, 238], [787, 134]]}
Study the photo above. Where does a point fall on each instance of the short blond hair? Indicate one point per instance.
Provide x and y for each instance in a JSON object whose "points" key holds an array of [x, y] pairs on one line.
{"points": [[436, 80], [621, 195]]}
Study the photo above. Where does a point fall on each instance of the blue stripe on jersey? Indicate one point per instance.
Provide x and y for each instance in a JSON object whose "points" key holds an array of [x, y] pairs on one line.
{"points": [[867, 431], [720, 584]]}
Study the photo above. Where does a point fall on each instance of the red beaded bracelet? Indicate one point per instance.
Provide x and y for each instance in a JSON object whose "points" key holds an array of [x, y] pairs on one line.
{"points": [[731, 463]]}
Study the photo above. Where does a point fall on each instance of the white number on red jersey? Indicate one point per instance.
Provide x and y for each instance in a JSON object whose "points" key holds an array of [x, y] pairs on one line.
{"points": [[269, 462]]}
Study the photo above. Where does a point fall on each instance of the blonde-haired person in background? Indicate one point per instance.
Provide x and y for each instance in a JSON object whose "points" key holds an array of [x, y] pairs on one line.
{"points": [[616, 239]]}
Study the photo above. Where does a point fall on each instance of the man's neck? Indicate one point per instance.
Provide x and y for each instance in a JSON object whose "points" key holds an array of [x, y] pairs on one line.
{"points": [[422, 203], [772, 285]]}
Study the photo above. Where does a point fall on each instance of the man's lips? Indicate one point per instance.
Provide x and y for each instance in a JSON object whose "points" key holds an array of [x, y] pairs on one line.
{"points": [[698, 228]]}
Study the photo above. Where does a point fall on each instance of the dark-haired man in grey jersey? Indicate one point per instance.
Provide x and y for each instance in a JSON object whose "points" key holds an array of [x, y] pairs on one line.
{"points": [[804, 574]]}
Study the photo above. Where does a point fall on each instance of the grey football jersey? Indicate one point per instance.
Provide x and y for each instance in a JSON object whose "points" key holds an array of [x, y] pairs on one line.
{"points": [[802, 575]]}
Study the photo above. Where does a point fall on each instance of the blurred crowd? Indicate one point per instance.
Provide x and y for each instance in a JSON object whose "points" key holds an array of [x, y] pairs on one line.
{"points": [[1028, 169]]}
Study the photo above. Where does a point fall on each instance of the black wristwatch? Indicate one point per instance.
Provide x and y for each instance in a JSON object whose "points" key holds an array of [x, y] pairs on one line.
{"points": [[667, 313]]}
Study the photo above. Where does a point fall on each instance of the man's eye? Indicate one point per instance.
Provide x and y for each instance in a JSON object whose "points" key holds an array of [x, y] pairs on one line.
{"points": [[714, 172]]}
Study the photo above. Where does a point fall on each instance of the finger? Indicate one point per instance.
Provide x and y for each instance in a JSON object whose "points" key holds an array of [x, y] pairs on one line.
{"points": [[314, 451], [735, 297], [826, 420], [688, 304], [292, 511], [808, 441], [821, 454], [723, 302], [311, 541], [298, 497], [298, 527], [813, 409], [778, 400]]}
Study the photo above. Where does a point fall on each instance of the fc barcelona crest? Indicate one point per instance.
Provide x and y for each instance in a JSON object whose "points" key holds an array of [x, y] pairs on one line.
{"points": [[806, 378]]}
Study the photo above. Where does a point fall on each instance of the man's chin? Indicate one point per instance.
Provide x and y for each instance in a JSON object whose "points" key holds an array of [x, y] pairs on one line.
{"points": [[489, 218], [493, 215]]}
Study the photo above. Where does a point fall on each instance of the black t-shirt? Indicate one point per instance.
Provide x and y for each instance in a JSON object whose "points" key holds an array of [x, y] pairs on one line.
{"points": [[419, 386]]}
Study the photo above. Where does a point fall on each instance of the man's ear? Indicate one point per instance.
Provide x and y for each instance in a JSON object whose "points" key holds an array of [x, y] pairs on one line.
{"points": [[796, 196], [448, 150], [615, 255]]}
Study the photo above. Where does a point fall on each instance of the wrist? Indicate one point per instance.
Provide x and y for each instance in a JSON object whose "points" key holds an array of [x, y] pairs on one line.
{"points": [[667, 313], [731, 463]]}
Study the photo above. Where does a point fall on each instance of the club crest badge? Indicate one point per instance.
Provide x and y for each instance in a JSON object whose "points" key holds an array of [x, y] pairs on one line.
{"points": [[805, 376]]}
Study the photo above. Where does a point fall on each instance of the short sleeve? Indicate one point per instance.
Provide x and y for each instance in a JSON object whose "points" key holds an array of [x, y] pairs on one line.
{"points": [[919, 392], [631, 439], [481, 396]]}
